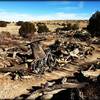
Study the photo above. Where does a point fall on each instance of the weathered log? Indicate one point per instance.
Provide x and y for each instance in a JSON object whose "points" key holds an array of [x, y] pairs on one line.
{"points": [[86, 65], [91, 74], [21, 67], [37, 40], [54, 89], [37, 51]]}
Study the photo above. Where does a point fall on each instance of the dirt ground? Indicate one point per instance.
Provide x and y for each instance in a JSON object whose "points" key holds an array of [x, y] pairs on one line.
{"points": [[13, 29], [13, 88], [9, 89]]}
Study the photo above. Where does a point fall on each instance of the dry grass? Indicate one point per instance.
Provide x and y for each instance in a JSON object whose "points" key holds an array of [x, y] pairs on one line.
{"points": [[11, 28]]}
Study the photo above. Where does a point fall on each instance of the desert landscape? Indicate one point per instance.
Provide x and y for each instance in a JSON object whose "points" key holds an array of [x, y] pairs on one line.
{"points": [[50, 59]]}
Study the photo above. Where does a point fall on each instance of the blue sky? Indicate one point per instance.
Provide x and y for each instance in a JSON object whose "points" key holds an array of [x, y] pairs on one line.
{"points": [[47, 10]]}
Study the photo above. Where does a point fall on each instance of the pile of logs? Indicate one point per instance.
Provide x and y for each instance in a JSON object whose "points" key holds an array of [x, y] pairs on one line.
{"points": [[82, 88], [31, 57]]}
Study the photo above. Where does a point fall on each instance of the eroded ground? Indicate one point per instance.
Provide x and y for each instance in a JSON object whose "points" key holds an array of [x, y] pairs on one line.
{"points": [[18, 57]]}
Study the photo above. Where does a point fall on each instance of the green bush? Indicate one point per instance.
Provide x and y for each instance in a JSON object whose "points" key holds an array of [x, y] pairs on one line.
{"points": [[19, 23], [75, 27], [42, 28], [5, 34], [3, 24], [82, 36], [63, 24], [93, 26], [27, 28], [69, 26], [7, 22]]}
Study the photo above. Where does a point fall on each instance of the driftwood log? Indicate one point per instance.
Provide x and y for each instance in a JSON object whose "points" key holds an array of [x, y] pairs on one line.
{"points": [[50, 90], [86, 65], [21, 67]]}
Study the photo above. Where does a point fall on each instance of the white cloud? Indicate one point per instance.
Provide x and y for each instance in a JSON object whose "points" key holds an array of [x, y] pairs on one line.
{"points": [[79, 6], [64, 16], [12, 16]]}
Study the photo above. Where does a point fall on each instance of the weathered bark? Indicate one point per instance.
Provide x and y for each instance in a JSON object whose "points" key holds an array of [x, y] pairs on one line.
{"points": [[14, 68], [56, 88], [37, 51], [86, 65]]}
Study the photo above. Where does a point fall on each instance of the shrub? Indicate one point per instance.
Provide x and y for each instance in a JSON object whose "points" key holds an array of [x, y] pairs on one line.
{"points": [[75, 27], [57, 30], [5, 34], [69, 26], [8, 22], [61, 29], [84, 28], [19, 23], [64, 28], [42, 28], [3, 24], [82, 36], [27, 28], [63, 24], [93, 26]]}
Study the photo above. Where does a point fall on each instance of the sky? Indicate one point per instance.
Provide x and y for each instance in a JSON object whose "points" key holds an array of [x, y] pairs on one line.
{"points": [[47, 10]]}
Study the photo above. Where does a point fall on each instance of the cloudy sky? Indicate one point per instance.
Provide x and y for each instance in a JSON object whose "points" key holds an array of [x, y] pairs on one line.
{"points": [[47, 10]]}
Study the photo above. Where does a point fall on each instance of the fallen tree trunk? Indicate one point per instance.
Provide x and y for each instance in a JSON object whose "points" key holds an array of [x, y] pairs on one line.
{"points": [[86, 65], [91, 74], [55, 88], [21, 67], [50, 90], [37, 40]]}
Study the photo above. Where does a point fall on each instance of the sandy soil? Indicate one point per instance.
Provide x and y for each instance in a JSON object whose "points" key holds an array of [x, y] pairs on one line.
{"points": [[11, 89], [52, 25], [12, 28]]}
